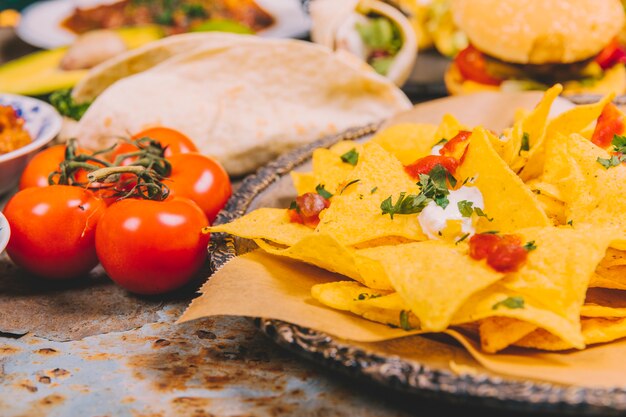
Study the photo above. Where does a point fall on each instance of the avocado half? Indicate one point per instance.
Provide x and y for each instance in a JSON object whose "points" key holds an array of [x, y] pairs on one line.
{"points": [[39, 73]]}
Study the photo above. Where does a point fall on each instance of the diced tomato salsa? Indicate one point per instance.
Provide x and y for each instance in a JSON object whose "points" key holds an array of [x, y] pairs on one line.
{"points": [[307, 209], [426, 164], [610, 123], [456, 146], [503, 253]]}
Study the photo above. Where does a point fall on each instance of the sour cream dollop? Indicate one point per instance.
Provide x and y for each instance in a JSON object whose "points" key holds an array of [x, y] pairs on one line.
{"points": [[434, 219]]}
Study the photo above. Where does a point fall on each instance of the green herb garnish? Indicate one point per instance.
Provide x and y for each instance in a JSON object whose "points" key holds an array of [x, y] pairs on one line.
{"points": [[511, 303], [442, 141], [530, 246], [480, 213], [619, 147], [322, 191], [373, 190], [406, 204], [462, 238], [465, 208], [434, 185], [294, 206], [351, 157], [525, 143], [404, 320], [64, 103]]}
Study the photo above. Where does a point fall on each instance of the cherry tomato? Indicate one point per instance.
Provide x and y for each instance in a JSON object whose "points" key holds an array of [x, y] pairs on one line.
{"points": [[173, 141], [308, 209], [456, 146], [53, 230], [152, 247], [610, 123], [426, 164], [473, 66], [612, 54], [201, 179]]}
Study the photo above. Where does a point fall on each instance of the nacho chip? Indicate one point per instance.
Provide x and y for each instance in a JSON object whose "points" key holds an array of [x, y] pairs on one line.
{"points": [[433, 278], [303, 182], [574, 120], [592, 193], [448, 128], [508, 201], [528, 131], [266, 223], [613, 277], [375, 305], [594, 331], [355, 216], [497, 333], [326, 252], [550, 288], [329, 170], [407, 141]]}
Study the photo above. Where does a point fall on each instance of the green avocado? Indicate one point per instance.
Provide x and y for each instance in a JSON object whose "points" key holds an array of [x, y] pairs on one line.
{"points": [[39, 73]]}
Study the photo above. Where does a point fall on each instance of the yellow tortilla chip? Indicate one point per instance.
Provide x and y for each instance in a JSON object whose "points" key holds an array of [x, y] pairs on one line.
{"points": [[550, 288], [355, 216], [266, 223], [528, 131], [605, 303], [407, 141], [614, 257], [433, 278], [326, 252], [497, 333], [329, 170], [375, 305], [303, 182], [345, 146], [574, 120], [594, 330], [613, 277], [448, 128], [591, 193], [510, 203]]}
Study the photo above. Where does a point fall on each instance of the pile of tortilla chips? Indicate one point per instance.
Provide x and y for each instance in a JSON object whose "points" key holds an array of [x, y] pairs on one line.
{"points": [[540, 179]]}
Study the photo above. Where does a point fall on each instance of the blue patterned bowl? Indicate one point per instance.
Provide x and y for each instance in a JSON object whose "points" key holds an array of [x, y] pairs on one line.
{"points": [[42, 122]]}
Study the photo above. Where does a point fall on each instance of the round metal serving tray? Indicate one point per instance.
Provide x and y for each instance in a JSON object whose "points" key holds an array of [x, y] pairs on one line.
{"points": [[414, 377]]}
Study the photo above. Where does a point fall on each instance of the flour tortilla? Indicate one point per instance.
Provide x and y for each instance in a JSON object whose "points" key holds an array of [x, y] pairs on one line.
{"points": [[244, 102]]}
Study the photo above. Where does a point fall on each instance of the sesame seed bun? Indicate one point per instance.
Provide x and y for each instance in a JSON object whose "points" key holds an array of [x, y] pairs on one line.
{"points": [[539, 31]]}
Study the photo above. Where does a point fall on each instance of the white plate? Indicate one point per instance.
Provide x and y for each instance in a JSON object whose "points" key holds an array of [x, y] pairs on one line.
{"points": [[5, 232], [43, 123], [40, 23]]}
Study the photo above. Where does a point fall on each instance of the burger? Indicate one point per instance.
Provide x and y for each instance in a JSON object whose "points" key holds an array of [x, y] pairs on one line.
{"points": [[532, 44]]}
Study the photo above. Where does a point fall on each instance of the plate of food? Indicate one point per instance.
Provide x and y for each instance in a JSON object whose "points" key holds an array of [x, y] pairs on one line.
{"points": [[26, 126], [484, 268], [55, 23]]}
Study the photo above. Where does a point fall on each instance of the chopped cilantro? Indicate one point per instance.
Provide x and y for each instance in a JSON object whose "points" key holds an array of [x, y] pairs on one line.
{"points": [[434, 186], [619, 143], [404, 320], [511, 303], [525, 143], [462, 238], [611, 162], [294, 206], [491, 232], [406, 204], [63, 101], [373, 190], [480, 213], [468, 180], [442, 141], [465, 208], [570, 222], [322, 191], [530, 246], [348, 184], [351, 157]]}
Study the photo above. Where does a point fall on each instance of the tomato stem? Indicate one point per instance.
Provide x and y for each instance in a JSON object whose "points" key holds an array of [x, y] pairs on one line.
{"points": [[146, 185]]}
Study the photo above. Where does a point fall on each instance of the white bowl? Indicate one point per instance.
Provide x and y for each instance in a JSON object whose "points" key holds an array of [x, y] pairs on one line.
{"points": [[43, 123], [5, 232]]}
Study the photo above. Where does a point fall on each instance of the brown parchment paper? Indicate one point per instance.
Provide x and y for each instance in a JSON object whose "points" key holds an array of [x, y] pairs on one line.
{"points": [[262, 285]]}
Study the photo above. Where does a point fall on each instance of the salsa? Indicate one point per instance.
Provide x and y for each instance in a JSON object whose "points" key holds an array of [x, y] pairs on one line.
{"points": [[13, 135], [610, 123], [306, 209], [176, 16], [503, 253]]}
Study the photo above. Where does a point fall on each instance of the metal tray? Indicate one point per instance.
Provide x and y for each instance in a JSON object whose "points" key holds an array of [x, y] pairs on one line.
{"points": [[406, 375]]}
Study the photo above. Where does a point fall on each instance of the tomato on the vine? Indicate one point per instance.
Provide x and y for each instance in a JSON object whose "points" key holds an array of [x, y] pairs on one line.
{"points": [[201, 179], [152, 247], [53, 230], [173, 141]]}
